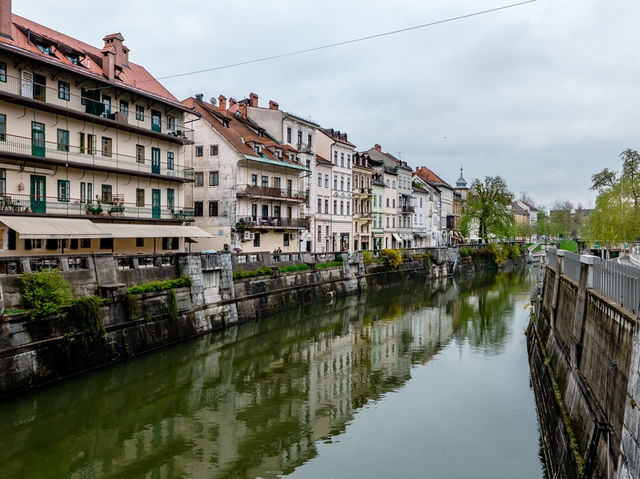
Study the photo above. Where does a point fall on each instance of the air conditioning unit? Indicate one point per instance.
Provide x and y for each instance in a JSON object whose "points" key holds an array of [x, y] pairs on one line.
{"points": [[248, 236]]}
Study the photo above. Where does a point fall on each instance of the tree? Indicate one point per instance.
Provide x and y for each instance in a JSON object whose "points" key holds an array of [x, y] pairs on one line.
{"points": [[488, 203]]}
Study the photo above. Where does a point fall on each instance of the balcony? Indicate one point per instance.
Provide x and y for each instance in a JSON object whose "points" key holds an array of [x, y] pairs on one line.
{"points": [[113, 206], [267, 192], [408, 209], [362, 191], [91, 108], [271, 222], [366, 215], [42, 152]]}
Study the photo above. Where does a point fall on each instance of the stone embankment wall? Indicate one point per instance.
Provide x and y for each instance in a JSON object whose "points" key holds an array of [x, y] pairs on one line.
{"points": [[34, 353], [584, 354]]}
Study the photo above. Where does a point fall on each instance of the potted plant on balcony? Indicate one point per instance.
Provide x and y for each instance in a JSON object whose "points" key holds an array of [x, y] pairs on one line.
{"points": [[94, 208]]}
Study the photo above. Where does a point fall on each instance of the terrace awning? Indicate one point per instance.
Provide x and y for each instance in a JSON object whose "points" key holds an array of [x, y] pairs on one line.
{"points": [[397, 237], [155, 231], [54, 228]]}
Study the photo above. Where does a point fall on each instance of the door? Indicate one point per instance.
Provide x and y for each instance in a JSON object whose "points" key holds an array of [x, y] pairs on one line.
{"points": [[27, 84], [37, 138], [155, 160], [155, 121], [155, 204], [38, 194]]}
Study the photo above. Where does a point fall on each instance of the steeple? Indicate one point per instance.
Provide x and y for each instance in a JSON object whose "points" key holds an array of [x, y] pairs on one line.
{"points": [[461, 183]]}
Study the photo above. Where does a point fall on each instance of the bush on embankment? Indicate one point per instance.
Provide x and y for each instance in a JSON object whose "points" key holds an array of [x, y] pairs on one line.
{"points": [[158, 286]]}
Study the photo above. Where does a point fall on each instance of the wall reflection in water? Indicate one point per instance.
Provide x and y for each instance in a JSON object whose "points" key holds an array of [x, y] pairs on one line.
{"points": [[253, 400]]}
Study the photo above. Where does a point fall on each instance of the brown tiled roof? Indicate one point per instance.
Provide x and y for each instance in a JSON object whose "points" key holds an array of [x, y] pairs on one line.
{"points": [[337, 136], [419, 189], [135, 76], [320, 159], [430, 177], [238, 132]]}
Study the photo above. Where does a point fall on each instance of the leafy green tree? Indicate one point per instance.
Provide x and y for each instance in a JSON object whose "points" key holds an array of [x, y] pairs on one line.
{"points": [[45, 292], [488, 204]]}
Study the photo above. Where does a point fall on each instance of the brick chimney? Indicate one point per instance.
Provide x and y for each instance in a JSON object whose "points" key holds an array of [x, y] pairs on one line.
{"points": [[222, 100], [273, 105], [232, 101], [253, 100], [243, 110], [378, 147], [122, 53], [5, 18], [108, 62]]}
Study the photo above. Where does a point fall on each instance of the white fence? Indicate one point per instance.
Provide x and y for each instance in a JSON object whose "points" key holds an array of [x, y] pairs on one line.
{"points": [[618, 282]]}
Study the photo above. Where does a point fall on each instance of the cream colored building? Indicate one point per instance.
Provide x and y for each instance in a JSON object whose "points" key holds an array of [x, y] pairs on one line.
{"points": [[362, 203], [249, 190], [323, 242], [88, 136]]}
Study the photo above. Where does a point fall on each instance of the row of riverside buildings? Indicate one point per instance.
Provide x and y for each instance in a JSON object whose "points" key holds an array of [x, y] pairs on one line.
{"points": [[96, 155]]}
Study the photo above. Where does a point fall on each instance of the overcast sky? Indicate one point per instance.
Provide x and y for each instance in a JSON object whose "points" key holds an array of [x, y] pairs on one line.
{"points": [[543, 94]]}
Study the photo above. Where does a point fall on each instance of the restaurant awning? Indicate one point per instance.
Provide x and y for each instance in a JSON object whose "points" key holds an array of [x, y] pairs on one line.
{"points": [[397, 237], [54, 228], [155, 231]]}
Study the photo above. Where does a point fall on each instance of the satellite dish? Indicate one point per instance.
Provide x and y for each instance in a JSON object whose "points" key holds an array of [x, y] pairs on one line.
{"points": [[212, 100]]}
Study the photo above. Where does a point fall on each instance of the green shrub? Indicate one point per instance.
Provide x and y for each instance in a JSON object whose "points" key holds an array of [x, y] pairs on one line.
{"points": [[394, 257], [329, 264], [172, 304], [86, 313], [265, 271], [45, 292], [367, 256], [513, 251], [465, 251], [295, 267], [132, 304], [157, 286], [498, 253]]}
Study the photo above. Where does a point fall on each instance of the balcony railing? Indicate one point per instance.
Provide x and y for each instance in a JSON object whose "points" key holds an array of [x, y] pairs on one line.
{"points": [[91, 103], [363, 215], [91, 157], [114, 206], [271, 192], [408, 209], [362, 191], [273, 222]]}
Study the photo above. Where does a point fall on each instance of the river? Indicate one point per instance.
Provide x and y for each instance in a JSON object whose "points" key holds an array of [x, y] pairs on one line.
{"points": [[420, 381]]}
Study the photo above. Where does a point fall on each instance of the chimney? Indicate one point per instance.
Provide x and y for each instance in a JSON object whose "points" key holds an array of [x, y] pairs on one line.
{"points": [[232, 101], [253, 100], [122, 53], [223, 103], [273, 105], [5, 18], [243, 110], [108, 62], [378, 147], [199, 97]]}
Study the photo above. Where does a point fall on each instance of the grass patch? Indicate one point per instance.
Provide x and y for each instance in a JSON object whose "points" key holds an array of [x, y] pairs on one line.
{"points": [[157, 286], [14, 311], [328, 264], [569, 245], [295, 267], [250, 274]]}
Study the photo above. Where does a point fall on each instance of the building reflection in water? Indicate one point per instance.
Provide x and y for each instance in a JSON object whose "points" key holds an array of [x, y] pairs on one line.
{"points": [[253, 400]]}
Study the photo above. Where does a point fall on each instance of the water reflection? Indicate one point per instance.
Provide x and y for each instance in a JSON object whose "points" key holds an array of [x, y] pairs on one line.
{"points": [[253, 400]]}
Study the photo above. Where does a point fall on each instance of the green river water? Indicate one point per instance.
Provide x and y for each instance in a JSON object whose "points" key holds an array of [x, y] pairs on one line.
{"points": [[420, 381]]}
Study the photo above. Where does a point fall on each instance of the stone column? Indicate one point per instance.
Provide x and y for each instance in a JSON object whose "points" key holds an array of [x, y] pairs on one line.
{"points": [[585, 282]]}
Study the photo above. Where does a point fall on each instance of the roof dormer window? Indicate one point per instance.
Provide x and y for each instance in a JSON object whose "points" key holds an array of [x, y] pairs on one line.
{"points": [[73, 59], [225, 122], [256, 148], [278, 154], [44, 48]]}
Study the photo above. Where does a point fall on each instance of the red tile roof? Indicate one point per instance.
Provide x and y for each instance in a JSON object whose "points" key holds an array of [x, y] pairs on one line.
{"points": [[430, 177], [322, 160], [337, 136], [134, 77]]}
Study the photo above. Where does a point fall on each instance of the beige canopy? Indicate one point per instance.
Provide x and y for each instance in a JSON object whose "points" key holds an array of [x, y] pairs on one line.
{"points": [[54, 228]]}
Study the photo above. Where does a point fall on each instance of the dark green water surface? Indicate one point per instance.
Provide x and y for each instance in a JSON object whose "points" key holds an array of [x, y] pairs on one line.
{"points": [[420, 381]]}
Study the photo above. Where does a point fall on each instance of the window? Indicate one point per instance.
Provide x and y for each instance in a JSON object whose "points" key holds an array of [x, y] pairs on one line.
{"points": [[214, 178], [276, 182], [254, 180], [64, 190], [319, 205], [3, 72], [335, 157], [326, 206], [254, 211], [309, 140], [394, 183], [213, 150], [299, 137], [320, 180], [64, 92], [107, 191], [139, 113], [107, 145], [199, 177], [256, 240], [169, 160], [319, 233], [139, 242], [124, 107], [170, 199], [85, 242], [288, 134], [63, 140], [197, 208], [92, 144], [342, 183], [342, 207], [387, 221], [265, 181], [348, 184], [171, 123], [335, 207], [199, 151], [387, 202], [276, 211], [285, 239], [213, 208], [342, 160], [46, 49], [394, 202], [335, 182], [83, 192], [140, 153], [348, 208], [3, 127], [393, 220], [140, 197], [106, 101], [3, 181], [326, 181]]}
